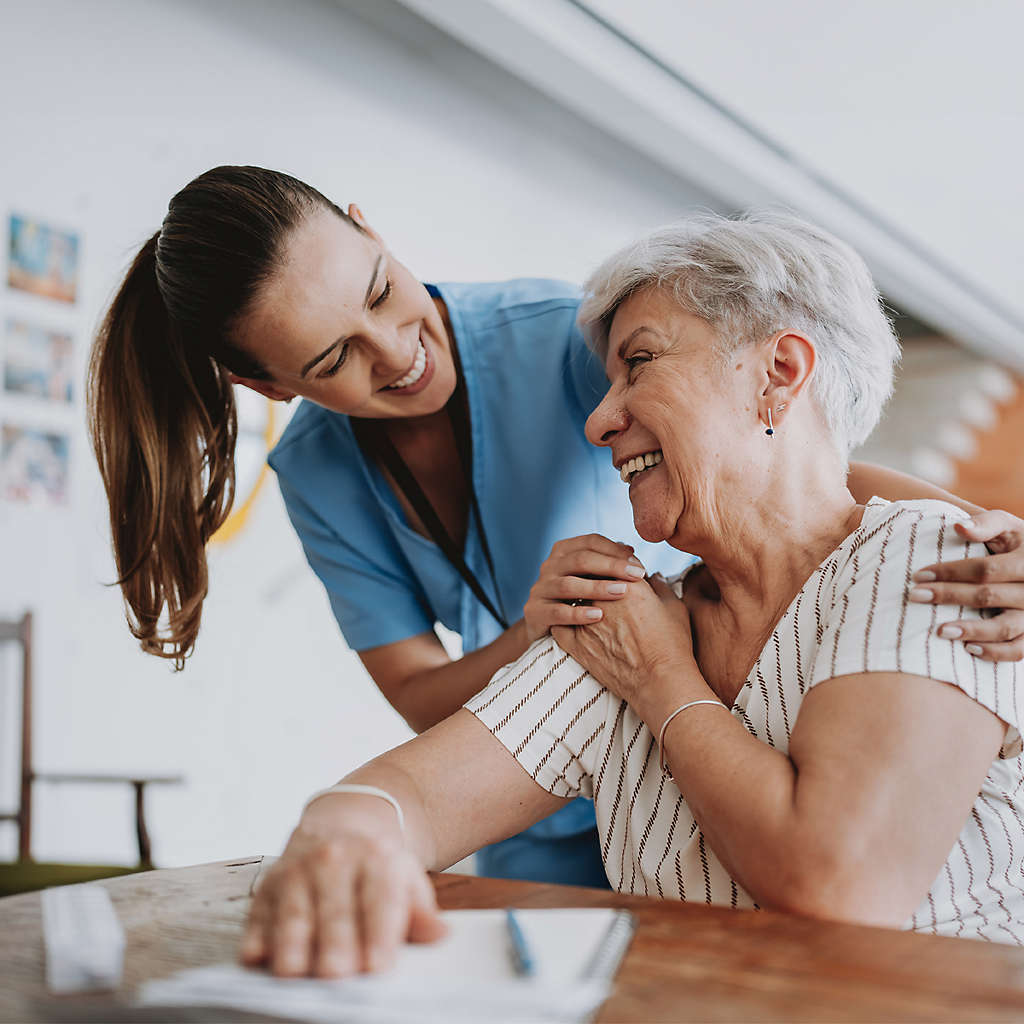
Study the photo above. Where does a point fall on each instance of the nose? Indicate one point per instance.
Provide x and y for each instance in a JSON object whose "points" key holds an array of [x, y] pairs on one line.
{"points": [[608, 420], [392, 352]]}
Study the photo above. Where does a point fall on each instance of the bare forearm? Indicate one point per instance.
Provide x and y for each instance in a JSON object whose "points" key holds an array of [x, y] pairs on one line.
{"points": [[431, 695], [866, 480], [746, 797], [448, 810]]}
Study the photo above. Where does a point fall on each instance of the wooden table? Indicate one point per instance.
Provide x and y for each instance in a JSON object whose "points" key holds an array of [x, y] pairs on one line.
{"points": [[687, 962]]}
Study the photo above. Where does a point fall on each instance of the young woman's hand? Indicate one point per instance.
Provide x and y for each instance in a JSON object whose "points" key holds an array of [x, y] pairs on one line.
{"points": [[579, 570], [333, 906], [995, 581]]}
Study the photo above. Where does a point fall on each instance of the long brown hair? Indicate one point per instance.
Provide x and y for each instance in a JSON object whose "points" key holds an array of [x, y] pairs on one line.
{"points": [[161, 408]]}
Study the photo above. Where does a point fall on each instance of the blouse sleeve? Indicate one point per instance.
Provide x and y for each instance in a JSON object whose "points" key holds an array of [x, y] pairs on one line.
{"points": [[549, 713], [869, 625]]}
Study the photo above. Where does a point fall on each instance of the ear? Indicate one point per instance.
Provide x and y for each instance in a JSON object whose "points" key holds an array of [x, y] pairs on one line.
{"points": [[265, 388], [791, 358], [357, 215]]}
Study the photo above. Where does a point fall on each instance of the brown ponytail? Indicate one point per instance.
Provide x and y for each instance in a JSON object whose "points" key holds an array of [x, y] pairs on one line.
{"points": [[161, 408]]}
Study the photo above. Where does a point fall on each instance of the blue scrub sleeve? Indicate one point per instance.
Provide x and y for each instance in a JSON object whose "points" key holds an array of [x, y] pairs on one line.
{"points": [[589, 381], [388, 609]]}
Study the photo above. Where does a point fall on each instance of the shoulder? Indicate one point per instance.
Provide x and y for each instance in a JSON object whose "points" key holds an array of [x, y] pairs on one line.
{"points": [[500, 303], [307, 433], [876, 561], [307, 420], [914, 529], [866, 621]]}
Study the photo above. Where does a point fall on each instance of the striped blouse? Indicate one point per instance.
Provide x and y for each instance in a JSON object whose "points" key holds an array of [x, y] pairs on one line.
{"points": [[851, 616]]}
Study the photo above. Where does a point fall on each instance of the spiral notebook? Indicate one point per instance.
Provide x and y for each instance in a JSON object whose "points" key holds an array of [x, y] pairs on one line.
{"points": [[467, 976]]}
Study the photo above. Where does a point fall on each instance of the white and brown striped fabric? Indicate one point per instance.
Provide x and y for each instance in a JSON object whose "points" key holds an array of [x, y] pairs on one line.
{"points": [[852, 616]]}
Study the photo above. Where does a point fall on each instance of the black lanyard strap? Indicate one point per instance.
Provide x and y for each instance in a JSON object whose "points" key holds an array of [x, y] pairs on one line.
{"points": [[373, 437]]}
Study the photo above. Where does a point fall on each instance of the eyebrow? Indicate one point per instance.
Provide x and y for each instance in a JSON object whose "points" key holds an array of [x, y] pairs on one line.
{"points": [[334, 344], [625, 341]]}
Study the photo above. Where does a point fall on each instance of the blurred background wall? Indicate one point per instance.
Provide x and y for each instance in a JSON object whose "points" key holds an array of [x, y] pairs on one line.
{"points": [[484, 139]]}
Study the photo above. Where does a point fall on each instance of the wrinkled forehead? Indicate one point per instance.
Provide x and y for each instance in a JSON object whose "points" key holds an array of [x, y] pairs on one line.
{"points": [[651, 307]]}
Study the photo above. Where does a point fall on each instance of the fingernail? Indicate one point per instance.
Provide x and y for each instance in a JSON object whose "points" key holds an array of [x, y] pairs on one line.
{"points": [[973, 648], [920, 594], [592, 613], [924, 576], [617, 588], [637, 572], [950, 632]]}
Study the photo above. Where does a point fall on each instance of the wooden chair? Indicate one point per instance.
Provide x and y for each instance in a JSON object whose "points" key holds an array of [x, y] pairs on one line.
{"points": [[26, 874]]}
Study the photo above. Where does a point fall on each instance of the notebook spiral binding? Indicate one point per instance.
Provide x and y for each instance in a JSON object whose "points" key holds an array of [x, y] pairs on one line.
{"points": [[608, 955]]}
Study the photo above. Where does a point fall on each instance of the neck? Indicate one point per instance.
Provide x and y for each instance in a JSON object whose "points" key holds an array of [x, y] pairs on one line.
{"points": [[418, 429], [760, 550]]}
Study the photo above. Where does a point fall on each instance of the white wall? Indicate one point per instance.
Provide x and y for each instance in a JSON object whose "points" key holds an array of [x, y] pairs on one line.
{"points": [[915, 107], [112, 105]]}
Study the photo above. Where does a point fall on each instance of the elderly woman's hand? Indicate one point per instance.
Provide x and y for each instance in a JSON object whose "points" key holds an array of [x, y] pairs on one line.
{"points": [[579, 570], [335, 905], [643, 638], [995, 581]]}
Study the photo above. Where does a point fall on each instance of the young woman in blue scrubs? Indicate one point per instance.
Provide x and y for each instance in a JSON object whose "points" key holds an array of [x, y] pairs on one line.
{"points": [[438, 462]]}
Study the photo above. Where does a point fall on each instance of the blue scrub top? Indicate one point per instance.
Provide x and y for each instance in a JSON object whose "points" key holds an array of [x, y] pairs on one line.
{"points": [[531, 382]]}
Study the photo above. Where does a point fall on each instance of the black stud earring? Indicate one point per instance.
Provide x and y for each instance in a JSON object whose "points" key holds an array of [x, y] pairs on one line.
{"points": [[771, 427]]}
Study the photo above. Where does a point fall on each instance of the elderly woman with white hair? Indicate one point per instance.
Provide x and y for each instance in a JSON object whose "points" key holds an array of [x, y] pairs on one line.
{"points": [[778, 727]]}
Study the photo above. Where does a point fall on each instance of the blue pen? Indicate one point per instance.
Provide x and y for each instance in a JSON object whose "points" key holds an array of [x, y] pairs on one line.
{"points": [[522, 960]]}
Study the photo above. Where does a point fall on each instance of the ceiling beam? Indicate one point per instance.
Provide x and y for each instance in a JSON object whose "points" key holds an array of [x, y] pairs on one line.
{"points": [[588, 66]]}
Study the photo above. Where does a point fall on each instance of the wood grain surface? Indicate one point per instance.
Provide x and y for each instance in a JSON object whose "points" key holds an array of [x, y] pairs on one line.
{"points": [[687, 962]]}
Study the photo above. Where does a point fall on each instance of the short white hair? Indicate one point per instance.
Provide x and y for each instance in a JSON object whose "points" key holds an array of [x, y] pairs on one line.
{"points": [[752, 276]]}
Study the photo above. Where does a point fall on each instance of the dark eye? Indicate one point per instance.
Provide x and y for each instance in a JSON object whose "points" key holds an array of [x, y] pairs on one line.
{"points": [[383, 297], [632, 362], [342, 356]]}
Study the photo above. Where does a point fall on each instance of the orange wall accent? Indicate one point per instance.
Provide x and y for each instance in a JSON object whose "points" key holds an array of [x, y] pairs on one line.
{"points": [[994, 477]]}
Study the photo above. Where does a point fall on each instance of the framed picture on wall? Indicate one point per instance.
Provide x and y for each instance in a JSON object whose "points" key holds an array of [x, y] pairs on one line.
{"points": [[42, 259], [38, 361], [33, 465]]}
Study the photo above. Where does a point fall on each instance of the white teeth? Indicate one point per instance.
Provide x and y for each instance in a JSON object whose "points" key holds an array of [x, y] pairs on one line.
{"points": [[631, 467], [418, 366]]}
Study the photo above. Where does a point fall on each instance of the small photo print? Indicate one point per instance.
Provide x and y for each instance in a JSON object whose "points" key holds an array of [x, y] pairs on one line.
{"points": [[42, 260], [33, 465], [37, 361]]}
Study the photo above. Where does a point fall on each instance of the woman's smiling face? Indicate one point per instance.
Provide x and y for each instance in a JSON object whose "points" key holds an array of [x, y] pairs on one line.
{"points": [[343, 323], [676, 406]]}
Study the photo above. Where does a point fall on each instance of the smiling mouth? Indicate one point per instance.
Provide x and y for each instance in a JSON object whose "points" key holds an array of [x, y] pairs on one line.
{"points": [[632, 468], [419, 365]]}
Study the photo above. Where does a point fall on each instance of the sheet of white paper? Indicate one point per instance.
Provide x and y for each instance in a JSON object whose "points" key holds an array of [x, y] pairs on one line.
{"points": [[467, 976]]}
